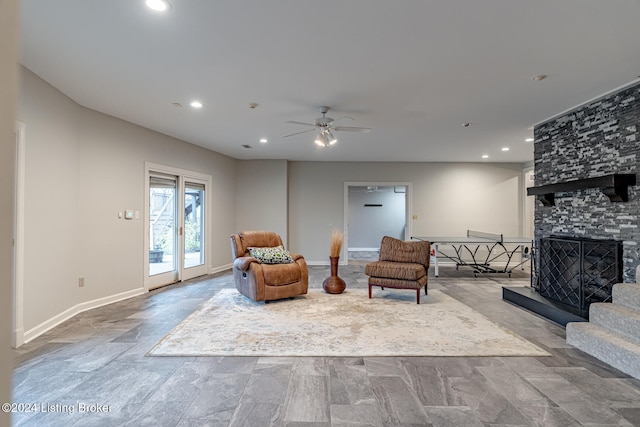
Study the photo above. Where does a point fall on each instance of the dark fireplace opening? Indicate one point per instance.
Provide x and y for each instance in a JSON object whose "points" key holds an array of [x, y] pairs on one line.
{"points": [[579, 271]]}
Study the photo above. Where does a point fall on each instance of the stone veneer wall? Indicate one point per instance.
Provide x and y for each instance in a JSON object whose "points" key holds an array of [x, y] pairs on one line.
{"points": [[596, 139]]}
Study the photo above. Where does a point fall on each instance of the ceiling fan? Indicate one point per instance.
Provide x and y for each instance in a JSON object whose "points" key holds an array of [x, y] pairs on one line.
{"points": [[324, 127]]}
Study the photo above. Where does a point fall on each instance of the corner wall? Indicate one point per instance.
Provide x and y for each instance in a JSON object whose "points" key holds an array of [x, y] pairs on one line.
{"points": [[599, 138], [261, 196], [82, 167]]}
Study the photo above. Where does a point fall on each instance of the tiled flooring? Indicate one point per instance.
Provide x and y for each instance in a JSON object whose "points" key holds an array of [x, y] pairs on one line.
{"points": [[363, 256], [98, 358]]}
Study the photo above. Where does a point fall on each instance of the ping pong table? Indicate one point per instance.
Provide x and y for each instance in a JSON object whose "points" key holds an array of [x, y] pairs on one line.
{"points": [[479, 250]]}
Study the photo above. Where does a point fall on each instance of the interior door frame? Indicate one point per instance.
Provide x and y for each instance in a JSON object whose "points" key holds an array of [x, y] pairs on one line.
{"points": [[182, 175], [408, 209], [17, 330], [528, 203]]}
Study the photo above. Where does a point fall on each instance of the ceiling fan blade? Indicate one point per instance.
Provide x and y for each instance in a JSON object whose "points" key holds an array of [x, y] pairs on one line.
{"points": [[351, 129], [343, 118], [298, 133], [300, 123]]}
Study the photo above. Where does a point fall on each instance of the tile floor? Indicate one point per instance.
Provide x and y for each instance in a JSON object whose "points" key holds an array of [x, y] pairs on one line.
{"points": [[92, 370]]}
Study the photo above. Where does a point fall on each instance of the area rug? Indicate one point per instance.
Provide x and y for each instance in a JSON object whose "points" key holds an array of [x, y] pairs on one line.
{"points": [[349, 324]]}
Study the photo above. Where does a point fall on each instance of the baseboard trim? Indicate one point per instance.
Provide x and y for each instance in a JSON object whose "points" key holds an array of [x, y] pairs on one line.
{"points": [[17, 338], [20, 337], [47, 325], [220, 269]]}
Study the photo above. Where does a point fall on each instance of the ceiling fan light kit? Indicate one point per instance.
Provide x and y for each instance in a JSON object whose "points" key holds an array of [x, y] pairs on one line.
{"points": [[324, 126], [325, 138]]}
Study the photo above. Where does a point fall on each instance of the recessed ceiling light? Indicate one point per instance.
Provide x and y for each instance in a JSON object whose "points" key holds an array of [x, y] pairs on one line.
{"points": [[539, 77], [196, 104], [264, 140], [158, 5], [529, 140], [485, 156], [505, 149]]}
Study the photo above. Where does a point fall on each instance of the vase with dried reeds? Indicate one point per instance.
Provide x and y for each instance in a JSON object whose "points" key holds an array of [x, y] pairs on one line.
{"points": [[334, 284]]}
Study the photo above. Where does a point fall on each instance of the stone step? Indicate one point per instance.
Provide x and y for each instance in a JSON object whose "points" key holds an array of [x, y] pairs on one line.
{"points": [[606, 345], [616, 318], [627, 295]]}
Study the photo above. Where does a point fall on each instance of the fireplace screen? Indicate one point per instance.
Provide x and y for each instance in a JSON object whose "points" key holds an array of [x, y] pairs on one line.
{"points": [[578, 272]]}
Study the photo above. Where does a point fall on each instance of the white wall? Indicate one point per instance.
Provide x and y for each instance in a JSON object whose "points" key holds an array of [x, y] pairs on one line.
{"points": [[448, 198], [82, 167], [261, 202], [8, 97]]}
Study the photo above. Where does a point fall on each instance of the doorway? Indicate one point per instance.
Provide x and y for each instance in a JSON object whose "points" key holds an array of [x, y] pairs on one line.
{"points": [[374, 210], [176, 212]]}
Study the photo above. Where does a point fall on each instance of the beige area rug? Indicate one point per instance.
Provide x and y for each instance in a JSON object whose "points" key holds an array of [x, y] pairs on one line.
{"points": [[348, 324]]}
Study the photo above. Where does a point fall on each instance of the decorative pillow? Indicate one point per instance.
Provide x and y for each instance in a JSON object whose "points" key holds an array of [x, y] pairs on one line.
{"points": [[274, 255]]}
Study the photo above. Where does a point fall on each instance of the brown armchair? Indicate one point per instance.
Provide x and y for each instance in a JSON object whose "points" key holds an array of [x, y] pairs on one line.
{"points": [[261, 281], [401, 265]]}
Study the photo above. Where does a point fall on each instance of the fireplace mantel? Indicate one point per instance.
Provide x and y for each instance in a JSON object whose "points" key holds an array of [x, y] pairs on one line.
{"points": [[613, 186]]}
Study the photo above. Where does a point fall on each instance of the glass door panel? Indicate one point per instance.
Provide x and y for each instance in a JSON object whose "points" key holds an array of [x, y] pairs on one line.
{"points": [[175, 234], [162, 226], [193, 262], [193, 224]]}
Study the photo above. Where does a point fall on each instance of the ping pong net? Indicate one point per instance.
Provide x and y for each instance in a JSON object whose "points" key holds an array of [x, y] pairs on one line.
{"points": [[486, 235]]}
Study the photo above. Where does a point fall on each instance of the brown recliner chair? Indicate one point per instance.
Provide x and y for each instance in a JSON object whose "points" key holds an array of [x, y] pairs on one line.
{"points": [[263, 281], [402, 265]]}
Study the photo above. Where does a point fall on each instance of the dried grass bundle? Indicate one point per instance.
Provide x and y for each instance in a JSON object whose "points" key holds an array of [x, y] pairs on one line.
{"points": [[336, 243]]}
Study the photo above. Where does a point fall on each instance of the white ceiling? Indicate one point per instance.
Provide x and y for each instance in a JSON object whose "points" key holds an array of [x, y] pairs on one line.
{"points": [[412, 70]]}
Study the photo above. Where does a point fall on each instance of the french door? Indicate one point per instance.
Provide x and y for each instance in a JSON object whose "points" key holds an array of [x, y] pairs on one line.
{"points": [[176, 212]]}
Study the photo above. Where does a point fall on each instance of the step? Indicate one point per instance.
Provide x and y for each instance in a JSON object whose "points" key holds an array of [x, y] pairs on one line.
{"points": [[616, 318], [606, 346], [627, 295]]}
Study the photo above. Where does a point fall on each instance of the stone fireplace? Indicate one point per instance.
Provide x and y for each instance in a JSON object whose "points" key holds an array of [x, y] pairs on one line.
{"points": [[585, 165], [593, 141]]}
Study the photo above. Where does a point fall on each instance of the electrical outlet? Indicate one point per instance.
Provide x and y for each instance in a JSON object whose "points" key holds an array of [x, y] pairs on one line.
{"points": [[81, 282]]}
